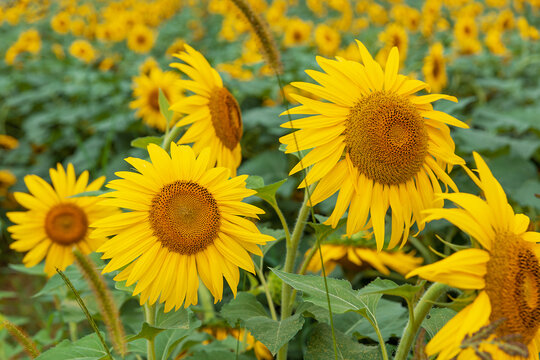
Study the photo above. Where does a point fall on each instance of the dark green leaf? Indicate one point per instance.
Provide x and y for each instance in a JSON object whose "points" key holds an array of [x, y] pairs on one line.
{"points": [[244, 307], [143, 142], [436, 319], [86, 348], [274, 334]]}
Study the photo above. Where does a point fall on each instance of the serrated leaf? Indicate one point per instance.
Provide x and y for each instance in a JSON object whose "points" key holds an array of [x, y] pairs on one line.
{"points": [[143, 142], [182, 319], [274, 334], [164, 107], [320, 346], [388, 287], [244, 307], [86, 348], [436, 319], [268, 192]]}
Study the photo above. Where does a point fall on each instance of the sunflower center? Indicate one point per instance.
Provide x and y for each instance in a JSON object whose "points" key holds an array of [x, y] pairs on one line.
{"points": [[513, 287], [226, 117], [386, 138], [436, 67], [185, 217], [66, 224]]}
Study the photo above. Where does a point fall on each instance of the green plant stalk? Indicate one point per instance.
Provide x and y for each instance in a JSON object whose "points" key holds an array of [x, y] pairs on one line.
{"points": [[73, 331], [20, 336], [292, 248], [169, 137], [282, 220], [86, 312], [150, 318], [108, 308], [206, 302], [266, 291], [420, 311], [330, 306]]}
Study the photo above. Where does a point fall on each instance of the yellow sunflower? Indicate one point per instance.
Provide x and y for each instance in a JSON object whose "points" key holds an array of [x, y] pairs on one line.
{"points": [[297, 32], [55, 222], [141, 39], [506, 271], [184, 222], [434, 68], [82, 50], [354, 257], [146, 93], [213, 112], [7, 179], [8, 142], [375, 142]]}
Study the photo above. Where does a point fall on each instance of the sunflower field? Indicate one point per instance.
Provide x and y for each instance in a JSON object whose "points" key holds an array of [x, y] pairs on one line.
{"points": [[270, 179]]}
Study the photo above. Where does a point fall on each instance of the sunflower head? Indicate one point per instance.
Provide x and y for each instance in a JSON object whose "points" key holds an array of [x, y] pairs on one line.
{"points": [[213, 112], [186, 221], [56, 222], [373, 140]]}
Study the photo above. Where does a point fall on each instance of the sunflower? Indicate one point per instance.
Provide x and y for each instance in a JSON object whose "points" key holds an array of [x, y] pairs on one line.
{"points": [[393, 35], [141, 39], [434, 68], [7, 179], [353, 257], [56, 222], [466, 35], [61, 22], [213, 111], [82, 50], [146, 93], [8, 142], [327, 39], [297, 32], [506, 270], [375, 141], [184, 221]]}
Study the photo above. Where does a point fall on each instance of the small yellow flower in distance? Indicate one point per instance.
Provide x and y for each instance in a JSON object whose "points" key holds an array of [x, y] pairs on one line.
{"points": [[327, 39], [375, 142], [7, 179], [58, 51], [61, 22], [494, 42], [146, 93], [141, 39], [213, 112], [297, 32], [82, 50], [505, 271], [148, 65], [185, 222], [56, 222], [107, 63], [8, 142], [434, 68], [176, 47]]}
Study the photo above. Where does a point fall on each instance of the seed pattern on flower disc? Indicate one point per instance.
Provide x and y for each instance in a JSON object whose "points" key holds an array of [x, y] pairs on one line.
{"points": [[386, 138], [226, 117], [513, 286], [185, 217], [66, 224]]}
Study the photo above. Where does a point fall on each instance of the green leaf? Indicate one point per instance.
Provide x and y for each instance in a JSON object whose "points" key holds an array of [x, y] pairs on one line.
{"points": [[388, 287], [35, 270], [143, 142], [147, 332], [274, 334], [87, 348], [254, 182], [320, 346], [164, 107], [436, 319], [244, 307], [90, 193], [342, 297], [182, 319], [268, 192]]}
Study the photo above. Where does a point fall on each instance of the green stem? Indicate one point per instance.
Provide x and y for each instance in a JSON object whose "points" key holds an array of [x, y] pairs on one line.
{"points": [[380, 338], [267, 292], [206, 302], [150, 318], [292, 248], [330, 306], [169, 137], [283, 221], [420, 311], [108, 308], [73, 330]]}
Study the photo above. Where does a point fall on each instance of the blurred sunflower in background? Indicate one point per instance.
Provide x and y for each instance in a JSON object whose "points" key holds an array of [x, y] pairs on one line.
{"points": [[184, 222], [434, 68], [141, 39], [506, 271], [56, 222], [146, 93], [82, 50], [375, 142], [212, 112], [8, 142]]}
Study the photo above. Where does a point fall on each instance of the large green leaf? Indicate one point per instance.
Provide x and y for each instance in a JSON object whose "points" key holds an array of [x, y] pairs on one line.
{"points": [[436, 319], [243, 307], [388, 287], [86, 348], [320, 346], [274, 334]]}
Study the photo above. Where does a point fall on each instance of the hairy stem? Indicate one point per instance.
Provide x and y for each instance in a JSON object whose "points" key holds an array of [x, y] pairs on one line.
{"points": [[266, 291], [420, 311], [108, 308], [21, 337], [150, 318], [206, 302]]}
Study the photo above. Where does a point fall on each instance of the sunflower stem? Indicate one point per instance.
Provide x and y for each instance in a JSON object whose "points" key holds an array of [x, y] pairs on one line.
{"points": [[20, 336], [206, 302], [266, 291], [105, 301], [292, 248], [150, 318], [169, 137], [283, 221], [420, 311]]}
